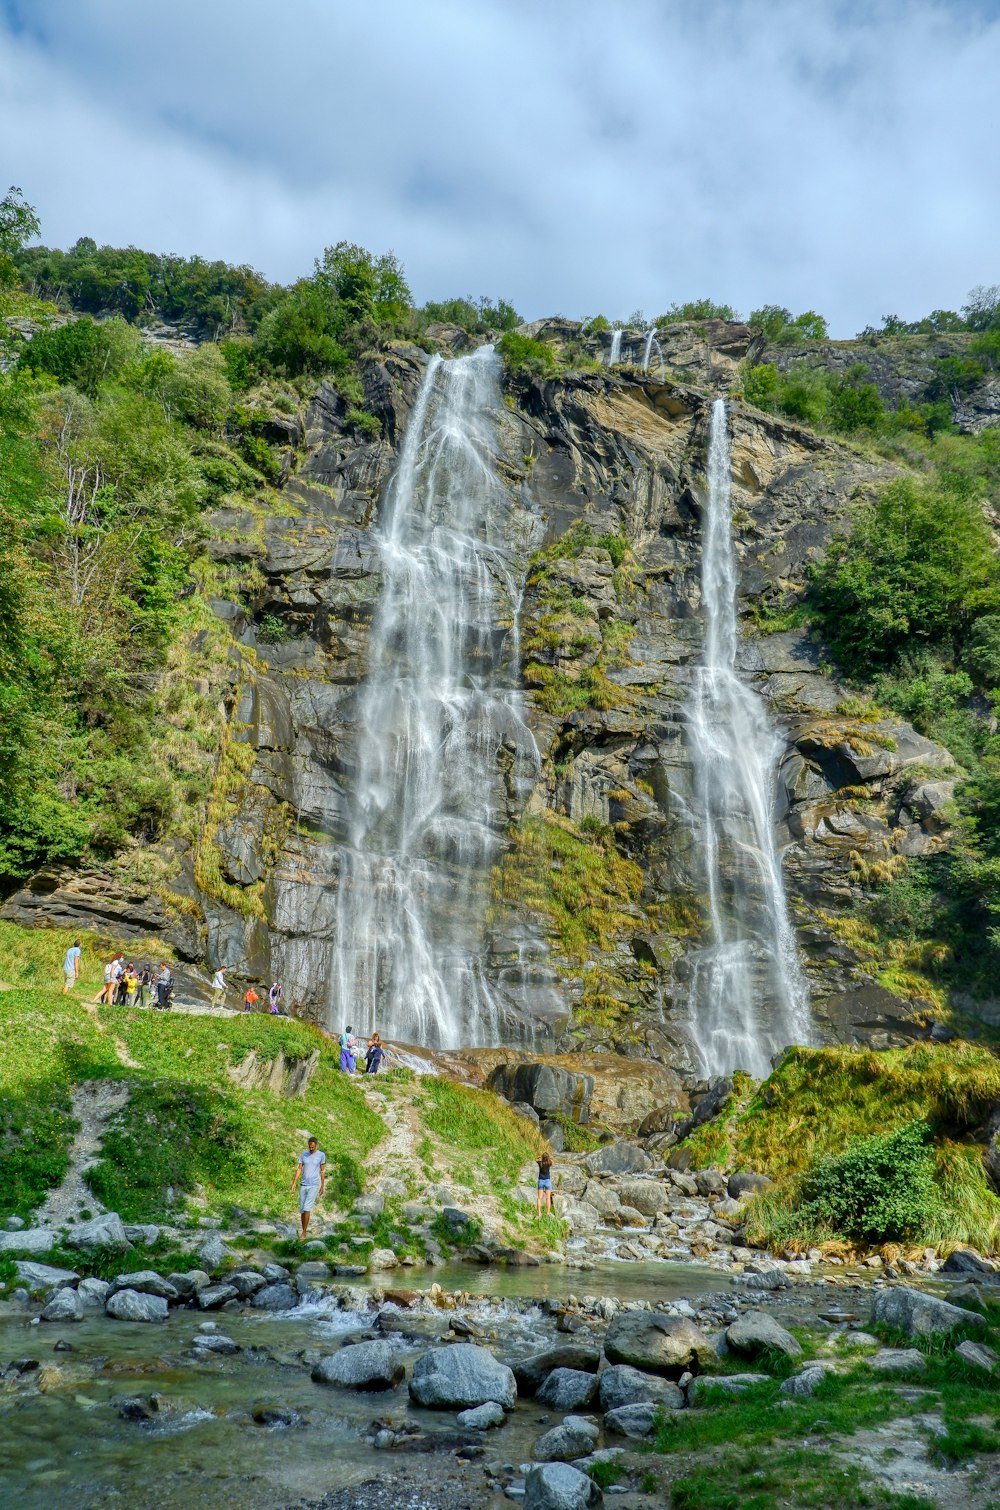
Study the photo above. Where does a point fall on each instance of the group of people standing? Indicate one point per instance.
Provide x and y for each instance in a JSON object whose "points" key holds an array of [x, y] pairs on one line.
{"points": [[250, 997], [349, 1053], [132, 985]]}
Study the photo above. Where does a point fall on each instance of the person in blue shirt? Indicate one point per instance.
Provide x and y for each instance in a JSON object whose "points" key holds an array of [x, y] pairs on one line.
{"points": [[71, 967], [311, 1170]]}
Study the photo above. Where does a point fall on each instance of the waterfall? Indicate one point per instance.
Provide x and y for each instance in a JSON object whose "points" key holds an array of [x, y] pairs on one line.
{"points": [[438, 705], [615, 354], [647, 351], [748, 996]]}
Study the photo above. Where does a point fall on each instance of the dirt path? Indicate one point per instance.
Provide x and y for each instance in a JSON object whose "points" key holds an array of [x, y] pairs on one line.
{"points": [[94, 1104]]}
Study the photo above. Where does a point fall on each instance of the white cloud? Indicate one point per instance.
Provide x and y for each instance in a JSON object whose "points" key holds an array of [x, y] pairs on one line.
{"points": [[575, 156]]}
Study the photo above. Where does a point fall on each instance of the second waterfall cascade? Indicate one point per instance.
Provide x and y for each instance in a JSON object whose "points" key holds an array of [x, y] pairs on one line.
{"points": [[438, 706], [748, 995]]}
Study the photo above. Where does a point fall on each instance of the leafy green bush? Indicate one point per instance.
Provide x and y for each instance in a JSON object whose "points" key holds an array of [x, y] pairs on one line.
{"points": [[36, 1133], [369, 425], [779, 325], [524, 356], [881, 1189], [696, 309]]}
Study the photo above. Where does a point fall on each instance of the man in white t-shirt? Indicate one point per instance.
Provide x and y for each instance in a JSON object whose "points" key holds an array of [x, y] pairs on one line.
{"points": [[219, 987], [311, 1169]]}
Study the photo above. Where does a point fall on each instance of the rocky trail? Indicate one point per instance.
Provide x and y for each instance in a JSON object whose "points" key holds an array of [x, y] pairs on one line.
{"points": [[94, 1104]]}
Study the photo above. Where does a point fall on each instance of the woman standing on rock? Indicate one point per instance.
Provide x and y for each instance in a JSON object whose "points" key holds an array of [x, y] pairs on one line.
{"points": [[544, 1184]]}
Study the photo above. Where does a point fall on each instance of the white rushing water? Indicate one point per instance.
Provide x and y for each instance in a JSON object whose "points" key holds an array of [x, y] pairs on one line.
{"points": [[615, 354], [748, 995], [438, 704], [647, 351]]}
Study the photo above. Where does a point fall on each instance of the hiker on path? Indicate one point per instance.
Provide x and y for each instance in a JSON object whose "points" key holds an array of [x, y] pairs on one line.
{"points": [[311, 1169], [117, 975], [375, 1055], [348, 1051], [250, 1000], [274, 999], [107, 993], [219, 987], [71, 967], [164, 986], [544, 1184]]}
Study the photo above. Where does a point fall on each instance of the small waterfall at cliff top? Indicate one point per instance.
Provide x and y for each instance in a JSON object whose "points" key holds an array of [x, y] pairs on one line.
{"points": [[647, 350], [615, 354], [748, 995], [436, 709]]}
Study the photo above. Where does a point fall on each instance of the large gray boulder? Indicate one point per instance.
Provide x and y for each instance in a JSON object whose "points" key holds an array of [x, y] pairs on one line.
{"points": [[31, 1240], [568, 1389], [129, 1305], [453, 1378], [64, 1306], [276, 1297], [548, 1090], [93, 1293], [636, 1421], [918, 1315], [745, 1182], [557, 1486], [807, 1380], [896, 1360], [146, 1282], [621, 1385], [978, 1355], [531, 1371], [729, 1384], [657, 1344], [247, 1282], [482, 1417], [211, 1297], [648, 1196], [576, 1437], [105, 1231], [362, 1366], [188, 1284], [757, 1333], [213, 1253], [618, 1158], [43, 1276]]}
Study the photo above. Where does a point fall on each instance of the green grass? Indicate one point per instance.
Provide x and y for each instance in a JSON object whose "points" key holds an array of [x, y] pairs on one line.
{"points": [[818, 1101], [33, 957], [475, 1122]]}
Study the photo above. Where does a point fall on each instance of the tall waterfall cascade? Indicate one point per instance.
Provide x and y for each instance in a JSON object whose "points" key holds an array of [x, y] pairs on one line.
{"points": [[615, 351], [437, 711], [650, 345], [748, 994]]}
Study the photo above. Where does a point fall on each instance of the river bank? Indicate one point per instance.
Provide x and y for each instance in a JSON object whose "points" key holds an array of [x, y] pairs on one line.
{"points": [[230, 1407]]}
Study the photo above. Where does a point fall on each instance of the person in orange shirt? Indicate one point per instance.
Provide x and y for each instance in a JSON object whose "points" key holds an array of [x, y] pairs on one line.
{"points": [[250, 1000]]}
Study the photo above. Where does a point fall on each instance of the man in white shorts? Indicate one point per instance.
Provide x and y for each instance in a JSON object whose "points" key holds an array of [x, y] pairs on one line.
{"points": [[311, 1169]]}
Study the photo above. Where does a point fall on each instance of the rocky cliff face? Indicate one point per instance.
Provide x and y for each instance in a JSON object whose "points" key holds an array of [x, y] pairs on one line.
{"points": [[597, 899]]}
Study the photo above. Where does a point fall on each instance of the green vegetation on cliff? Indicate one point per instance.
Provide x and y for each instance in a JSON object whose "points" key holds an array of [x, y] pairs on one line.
{"points": [[864, 1146]]}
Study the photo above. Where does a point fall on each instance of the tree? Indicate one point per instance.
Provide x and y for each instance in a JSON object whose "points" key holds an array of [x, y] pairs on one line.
{"points": [[982, 309], [18, 223]]}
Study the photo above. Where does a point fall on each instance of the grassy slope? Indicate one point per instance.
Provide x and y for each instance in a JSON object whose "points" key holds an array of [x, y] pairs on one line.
{"points": [[189, 1126], [818, 1100]]}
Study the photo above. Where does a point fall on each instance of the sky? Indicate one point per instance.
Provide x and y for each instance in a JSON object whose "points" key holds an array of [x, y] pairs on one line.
{"points": [[573, 156]]}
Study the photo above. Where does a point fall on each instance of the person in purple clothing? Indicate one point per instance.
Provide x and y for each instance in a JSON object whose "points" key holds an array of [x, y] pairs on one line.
{"points": [[348, 1050]]}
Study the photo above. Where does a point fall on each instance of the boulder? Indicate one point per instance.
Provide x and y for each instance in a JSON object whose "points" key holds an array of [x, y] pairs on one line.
{"points": [[481, 1417], [247, 1282], [93, 1293], [522, 1109], [757, 1333], [858, 1340], [918, 1315], [806, 1381], [452, 1378], [573, 1438], [275, 1273], [710, 1182], [896, 1360], [32, 1240], [621, 1385], [648, 1196], [362, 1366], [658, 1344], [712, 1102], [187, 1285], [146, 1233], [146, 1282], [382, 1258], [557, 1486], [64, 1306], [548, 1090], [978, 1355], [276, 1297], [965, 1261], [130, 1305], [745, 1182], [618, 1158], [215, 1342], [568, 1389], [729, 1384], [211, 1297], [634, 1421], [43, 1276], [531, 1371], [213, 1253], [106, 1231]]}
